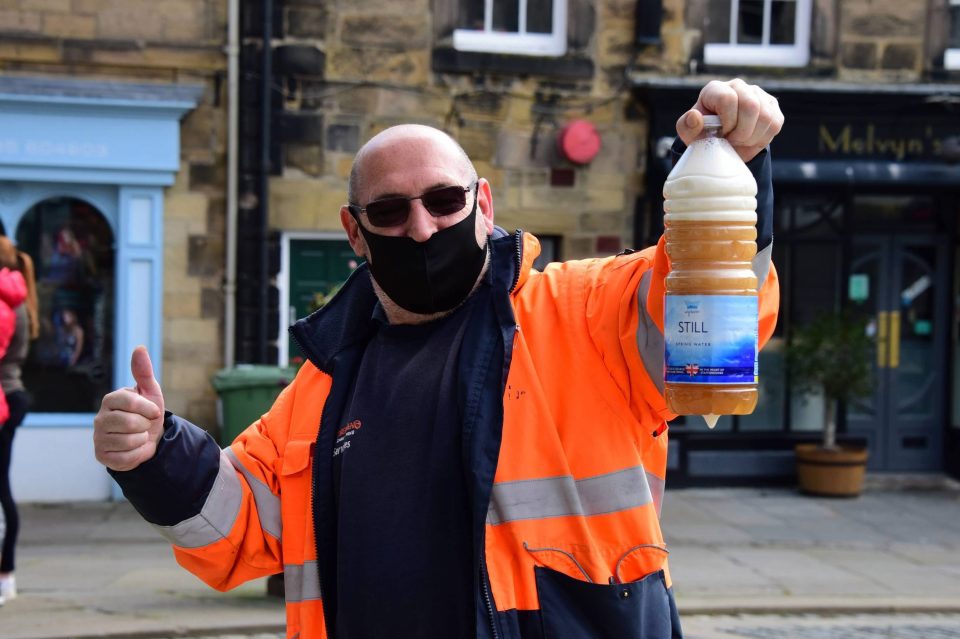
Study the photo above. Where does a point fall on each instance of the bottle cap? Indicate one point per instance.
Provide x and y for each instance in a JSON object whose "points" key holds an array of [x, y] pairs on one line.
{"points": [[711, 120]]}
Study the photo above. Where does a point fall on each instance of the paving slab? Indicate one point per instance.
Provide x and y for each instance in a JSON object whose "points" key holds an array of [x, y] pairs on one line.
{"points": [[98, 570], [887, 550], [907, 626]]}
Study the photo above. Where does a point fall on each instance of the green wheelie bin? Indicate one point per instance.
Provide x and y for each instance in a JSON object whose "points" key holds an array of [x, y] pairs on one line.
{"points": [[246, 392]]}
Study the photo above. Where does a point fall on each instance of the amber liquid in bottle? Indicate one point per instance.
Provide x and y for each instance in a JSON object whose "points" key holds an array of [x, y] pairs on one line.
{"points": [[710, 234], [712, 258]]}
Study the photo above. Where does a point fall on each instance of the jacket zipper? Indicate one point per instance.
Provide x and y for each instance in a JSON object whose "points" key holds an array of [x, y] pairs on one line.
{"points": [[316, 540], [488, 600], [518, 247], [313, 496], [484, 574]]}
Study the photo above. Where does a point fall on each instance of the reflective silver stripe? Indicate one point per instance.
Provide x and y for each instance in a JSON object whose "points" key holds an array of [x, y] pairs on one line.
{"points": [[649, 337], [563, 496], [656, 489], [268, 504], [761, 264], [217, 515], [301, 582]]}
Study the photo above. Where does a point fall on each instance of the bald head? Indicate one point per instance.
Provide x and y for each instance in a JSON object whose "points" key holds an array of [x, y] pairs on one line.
{"points": [[396, 137]]}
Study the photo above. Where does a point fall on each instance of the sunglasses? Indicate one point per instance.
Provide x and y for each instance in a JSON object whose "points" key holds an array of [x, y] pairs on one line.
{"points": [[394, 211]]}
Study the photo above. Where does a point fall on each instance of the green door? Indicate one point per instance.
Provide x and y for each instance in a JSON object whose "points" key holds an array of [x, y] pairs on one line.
{"points": [[317, 268]]}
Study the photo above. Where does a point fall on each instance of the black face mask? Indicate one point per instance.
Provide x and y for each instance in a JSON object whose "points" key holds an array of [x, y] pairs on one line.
{"points": [[432, 276]]}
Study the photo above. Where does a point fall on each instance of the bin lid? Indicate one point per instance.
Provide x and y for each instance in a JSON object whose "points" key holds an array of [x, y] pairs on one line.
{"points": [[252, 376]]}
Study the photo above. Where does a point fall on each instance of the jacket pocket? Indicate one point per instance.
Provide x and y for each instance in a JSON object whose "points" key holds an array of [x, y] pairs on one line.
{"points": [[296, 457], [295, 479], [574, 609]]}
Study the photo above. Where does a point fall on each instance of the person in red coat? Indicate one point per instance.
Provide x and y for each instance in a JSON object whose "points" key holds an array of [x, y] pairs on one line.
{"points": [[14, 340]]}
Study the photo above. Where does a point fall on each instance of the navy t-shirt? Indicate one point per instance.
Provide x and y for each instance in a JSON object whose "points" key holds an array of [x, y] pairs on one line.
{"points": [[404, 551]]}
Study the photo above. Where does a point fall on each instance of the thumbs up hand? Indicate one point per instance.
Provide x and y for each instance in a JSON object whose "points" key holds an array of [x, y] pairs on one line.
{"points": [[130, 421]]}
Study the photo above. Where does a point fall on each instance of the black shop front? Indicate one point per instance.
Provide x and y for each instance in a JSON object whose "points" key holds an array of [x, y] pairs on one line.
{"points": [[867, 192]]}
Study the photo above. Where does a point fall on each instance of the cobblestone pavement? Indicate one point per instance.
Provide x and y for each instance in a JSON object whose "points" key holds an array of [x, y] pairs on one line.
{"points": [[747, 564], [902, 626]]}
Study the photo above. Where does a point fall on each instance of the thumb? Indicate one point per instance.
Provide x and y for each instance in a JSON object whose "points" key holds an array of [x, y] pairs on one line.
{"points": [[142, 369], [689, 126]]}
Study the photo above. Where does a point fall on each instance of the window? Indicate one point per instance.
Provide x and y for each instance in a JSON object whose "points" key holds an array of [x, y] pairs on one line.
{"points": [[770, 33], [523, 27], [70, 366], [951, 58]]}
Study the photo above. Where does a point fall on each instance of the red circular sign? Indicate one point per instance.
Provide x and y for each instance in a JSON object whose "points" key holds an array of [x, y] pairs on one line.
{"points": [[579, 141]]}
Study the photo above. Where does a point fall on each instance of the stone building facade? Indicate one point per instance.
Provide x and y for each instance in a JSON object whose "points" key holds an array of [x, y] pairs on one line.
{"points": [[865, 41], [164, 42], [338, 71], [388, 63], [115, 113]]}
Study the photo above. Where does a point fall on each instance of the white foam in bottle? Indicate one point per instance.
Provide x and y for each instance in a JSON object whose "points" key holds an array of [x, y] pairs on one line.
{"points": [[710, 183]]}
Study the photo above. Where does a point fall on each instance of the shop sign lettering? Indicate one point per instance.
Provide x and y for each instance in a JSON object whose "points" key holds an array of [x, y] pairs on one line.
{"points": [[53, 150], [871, 140]]}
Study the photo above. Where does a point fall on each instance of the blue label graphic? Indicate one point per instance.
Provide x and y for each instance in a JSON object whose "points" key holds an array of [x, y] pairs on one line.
{"points": [[710, 339]]}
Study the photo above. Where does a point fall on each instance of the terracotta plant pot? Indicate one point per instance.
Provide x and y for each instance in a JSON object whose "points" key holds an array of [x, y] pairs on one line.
{"points": [[832, 473]]}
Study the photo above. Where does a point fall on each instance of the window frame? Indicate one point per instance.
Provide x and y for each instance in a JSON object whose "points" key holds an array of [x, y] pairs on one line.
{"points": [[486, 40], [765, 54], [951, 56]]}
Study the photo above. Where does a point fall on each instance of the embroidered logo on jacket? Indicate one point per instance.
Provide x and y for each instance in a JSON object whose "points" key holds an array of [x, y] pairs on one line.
{"points": [[344, 435]]}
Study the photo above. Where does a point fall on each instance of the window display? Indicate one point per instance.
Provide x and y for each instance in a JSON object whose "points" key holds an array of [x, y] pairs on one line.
{"points": [[70, 365]]}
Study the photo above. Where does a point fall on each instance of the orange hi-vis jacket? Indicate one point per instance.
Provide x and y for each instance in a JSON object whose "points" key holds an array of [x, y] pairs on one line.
{"points": [[564, 445]]}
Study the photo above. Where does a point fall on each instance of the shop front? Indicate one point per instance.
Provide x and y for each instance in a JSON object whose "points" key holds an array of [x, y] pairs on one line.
{"points": [[82, 171], [867, 196]]}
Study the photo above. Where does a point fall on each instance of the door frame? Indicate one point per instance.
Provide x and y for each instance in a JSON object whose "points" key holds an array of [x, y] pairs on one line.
{"points": [[283, 283], [890, 243]]}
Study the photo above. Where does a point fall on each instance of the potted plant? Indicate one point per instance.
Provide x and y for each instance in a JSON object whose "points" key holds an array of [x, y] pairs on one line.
{"points": [[832, 355]]}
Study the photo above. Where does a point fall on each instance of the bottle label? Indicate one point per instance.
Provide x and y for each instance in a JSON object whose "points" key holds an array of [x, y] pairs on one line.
{"points": [[710, 339]]}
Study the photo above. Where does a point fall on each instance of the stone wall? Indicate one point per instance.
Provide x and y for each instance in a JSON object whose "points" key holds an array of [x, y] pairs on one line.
{"points": [[882, 40], [170, 41], [856, 40], [379, 71], [938, 30]]}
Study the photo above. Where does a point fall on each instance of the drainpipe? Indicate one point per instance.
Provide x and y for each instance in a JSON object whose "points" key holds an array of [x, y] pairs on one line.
{"points": [[266, 107], [233, 109]]}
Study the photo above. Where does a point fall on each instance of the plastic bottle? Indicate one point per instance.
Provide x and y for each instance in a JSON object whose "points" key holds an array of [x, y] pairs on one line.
{"points": [[710, 314]]}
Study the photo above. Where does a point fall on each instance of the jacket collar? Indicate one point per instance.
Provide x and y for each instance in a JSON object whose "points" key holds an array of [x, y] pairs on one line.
{"points": [[345, 320]]}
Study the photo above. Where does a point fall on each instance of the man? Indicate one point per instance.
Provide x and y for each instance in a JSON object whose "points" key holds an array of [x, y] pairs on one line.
{"points": [[473, 449]]}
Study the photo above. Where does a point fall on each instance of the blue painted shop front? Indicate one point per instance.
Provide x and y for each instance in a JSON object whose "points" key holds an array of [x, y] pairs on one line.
{"points": [[82, 171]]}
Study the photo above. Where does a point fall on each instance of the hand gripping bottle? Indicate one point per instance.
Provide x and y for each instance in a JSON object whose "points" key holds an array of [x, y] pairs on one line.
{"points": [[710, 311]]}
